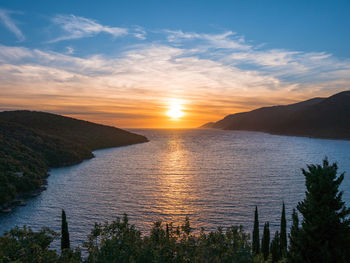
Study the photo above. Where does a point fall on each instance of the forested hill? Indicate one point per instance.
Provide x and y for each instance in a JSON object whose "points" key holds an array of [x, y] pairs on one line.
{"points": [[318, 117], [32, 142]]}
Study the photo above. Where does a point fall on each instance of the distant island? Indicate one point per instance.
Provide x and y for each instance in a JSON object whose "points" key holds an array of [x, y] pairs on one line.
{"points": [[317, 117], [33, 142]]}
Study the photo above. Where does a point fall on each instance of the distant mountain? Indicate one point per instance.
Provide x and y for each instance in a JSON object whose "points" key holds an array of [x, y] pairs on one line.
{"points": [[318, 117], [32, 142], [208, 125]]}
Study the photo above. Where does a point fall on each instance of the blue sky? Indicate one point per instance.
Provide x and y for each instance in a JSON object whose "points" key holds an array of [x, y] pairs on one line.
{"points": [[240, 54], [298, 25]]}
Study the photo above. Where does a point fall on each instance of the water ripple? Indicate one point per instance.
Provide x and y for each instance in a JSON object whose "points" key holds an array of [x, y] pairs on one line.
{"points": [[215, 177]]}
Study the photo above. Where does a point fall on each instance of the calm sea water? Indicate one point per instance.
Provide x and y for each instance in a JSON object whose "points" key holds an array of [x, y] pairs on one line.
{"points": [[214, 177]]}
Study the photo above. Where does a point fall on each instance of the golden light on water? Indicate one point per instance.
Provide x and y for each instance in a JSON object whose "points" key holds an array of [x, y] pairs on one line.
{"points": [[175, 109]]}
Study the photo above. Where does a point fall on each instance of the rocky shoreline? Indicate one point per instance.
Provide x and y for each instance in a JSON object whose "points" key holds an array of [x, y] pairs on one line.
{"points": [[20, 199]]}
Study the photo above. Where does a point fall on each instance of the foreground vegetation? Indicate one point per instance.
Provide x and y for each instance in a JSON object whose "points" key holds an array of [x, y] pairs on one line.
{"points": [[33, 142], [323, 236]]}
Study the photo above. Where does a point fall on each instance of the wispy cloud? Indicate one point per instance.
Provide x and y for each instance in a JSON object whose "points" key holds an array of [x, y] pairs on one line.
{"points": [[79, 27], [147, 76], [69, 50], [140, 33], [226, 40], [288, 66], [214, 74], [13, 54], [10, 24]]}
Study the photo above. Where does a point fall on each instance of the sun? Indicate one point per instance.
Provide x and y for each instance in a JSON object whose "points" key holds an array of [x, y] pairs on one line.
{"points": [[175, 109]]}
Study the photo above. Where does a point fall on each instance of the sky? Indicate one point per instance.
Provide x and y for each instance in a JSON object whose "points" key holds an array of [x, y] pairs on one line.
{"points": [[129, 63]]}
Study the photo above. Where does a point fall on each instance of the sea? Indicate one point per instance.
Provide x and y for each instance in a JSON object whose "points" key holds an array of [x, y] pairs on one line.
{"points": [[214, 177]]}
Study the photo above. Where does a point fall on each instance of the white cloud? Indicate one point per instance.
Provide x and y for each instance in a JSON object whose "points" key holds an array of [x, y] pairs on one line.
{"points": [[185, 70], [69, 50], [294, 66], [230, 75], [140, 33], [226, 40], [12, 54], [163, 69], [10, 24], [150, 72], [79, 27]]}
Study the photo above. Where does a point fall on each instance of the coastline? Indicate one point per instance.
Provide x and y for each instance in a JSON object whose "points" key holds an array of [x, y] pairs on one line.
{"points": [[283, 134], [21, 197]]}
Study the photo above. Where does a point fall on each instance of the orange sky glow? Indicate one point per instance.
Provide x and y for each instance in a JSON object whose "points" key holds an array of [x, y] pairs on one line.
{"points": [[135, 88]]}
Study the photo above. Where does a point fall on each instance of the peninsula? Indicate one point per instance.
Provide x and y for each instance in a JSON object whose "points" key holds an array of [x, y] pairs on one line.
{"points": [[317, 117], [33, 142]]}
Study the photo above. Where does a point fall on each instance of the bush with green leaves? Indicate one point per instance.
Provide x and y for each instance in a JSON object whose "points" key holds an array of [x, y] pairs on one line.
{"points": [[121, 242], [23, 245]]}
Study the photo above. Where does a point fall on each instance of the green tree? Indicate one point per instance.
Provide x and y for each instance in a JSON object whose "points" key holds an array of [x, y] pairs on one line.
{"points": [[186, 228], [65, 244], [116, 242], [256, 238], [265, 242], [275, 248], [70, 256], [283, 231], [23, 245], [293, 254], [325, 229]]}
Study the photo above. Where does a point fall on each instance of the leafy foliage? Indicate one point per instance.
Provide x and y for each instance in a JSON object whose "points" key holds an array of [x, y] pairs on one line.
{"points": [[265, 242], [256, 239], [121, 242], [65, 244], [24, 245], [283, 233], [325, 229], [275, 248], [293, 254]]}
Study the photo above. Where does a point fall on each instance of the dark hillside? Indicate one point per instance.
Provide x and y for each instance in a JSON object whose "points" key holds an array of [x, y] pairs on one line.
{"points": [[318, 117], [91, 135], [32, 142]]}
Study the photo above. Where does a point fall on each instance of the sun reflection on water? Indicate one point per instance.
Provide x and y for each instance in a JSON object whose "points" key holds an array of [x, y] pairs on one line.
{"points": [[177, 192]]}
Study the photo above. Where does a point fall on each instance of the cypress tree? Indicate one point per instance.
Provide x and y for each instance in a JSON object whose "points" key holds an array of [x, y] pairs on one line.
{"points": [[293, 254], [65, 244], [256, 239], [283, 231], [265, 242], [275, 248], [325, 229]]}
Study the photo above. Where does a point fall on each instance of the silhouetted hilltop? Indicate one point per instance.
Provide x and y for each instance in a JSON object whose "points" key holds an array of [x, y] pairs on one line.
{"points": [[32, 142], [208, 125], [89, 135], [318, 117]]}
